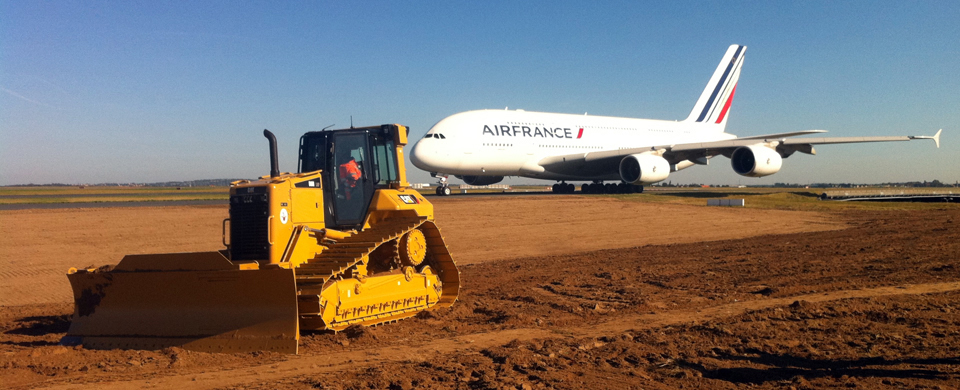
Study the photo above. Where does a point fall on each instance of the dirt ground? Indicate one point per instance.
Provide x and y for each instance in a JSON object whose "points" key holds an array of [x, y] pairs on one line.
{"points": [[37, 247], [559, 292]]}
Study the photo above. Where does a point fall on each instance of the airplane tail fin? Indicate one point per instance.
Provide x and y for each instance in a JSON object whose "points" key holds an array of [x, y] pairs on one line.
{"points": [[714, 103]]}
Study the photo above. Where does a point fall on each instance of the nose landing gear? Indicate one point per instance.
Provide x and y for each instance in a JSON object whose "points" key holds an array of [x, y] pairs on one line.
{"points": [[442, 188]]}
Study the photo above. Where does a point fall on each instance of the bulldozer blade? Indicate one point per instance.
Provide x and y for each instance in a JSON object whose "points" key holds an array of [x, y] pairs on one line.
{"points": [[197, 301]]}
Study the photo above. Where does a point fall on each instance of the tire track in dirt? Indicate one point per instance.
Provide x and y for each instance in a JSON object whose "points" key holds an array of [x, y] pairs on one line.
{"points": [[12, 273], [647, 321], [316, 364], [37, 247], [46, 284]]}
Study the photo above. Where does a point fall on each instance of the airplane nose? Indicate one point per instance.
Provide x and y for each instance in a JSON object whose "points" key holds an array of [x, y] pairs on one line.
{"points": [[423, 156], [434, 155]]}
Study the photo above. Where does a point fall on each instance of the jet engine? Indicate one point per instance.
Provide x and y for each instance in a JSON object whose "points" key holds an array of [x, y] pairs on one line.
{"points": [[756, 161], [481, 180], [644, 169]]}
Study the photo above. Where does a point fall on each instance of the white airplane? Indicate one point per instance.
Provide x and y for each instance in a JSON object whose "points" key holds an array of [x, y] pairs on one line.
{"points": [[481, 147]]}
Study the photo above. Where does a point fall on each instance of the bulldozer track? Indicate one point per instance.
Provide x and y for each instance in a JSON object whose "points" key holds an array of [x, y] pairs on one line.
{"points": [[441, 259], [350, 251], [333, 263]]}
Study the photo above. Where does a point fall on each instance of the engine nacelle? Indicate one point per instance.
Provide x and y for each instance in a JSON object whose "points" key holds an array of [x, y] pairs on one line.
{"points": [[644, 169], [481, 180], [756, 161]]}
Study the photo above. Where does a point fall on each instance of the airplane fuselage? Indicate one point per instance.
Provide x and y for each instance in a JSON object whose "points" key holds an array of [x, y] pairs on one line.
{"points": [[512, 142]]}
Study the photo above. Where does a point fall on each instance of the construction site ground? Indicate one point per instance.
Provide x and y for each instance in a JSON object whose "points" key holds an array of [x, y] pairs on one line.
{"points": [[564, 292]]}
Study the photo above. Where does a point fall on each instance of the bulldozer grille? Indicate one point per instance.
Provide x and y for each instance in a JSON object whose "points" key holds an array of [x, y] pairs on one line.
{"points": [[248, 226]]}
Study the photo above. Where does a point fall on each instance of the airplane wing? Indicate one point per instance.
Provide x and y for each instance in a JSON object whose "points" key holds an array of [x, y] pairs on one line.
{"points": [[782, 135], [608, 161]]}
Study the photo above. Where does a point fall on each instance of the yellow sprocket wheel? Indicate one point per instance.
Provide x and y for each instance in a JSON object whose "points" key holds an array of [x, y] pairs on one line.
{"points": [[413, 248]]}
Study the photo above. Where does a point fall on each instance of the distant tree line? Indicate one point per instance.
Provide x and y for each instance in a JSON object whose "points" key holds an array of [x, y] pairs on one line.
{"points": [[181, 184], [934, 183]]}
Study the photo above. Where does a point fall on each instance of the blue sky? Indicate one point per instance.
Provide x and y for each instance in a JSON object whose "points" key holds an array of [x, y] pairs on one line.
{"points": [[155, 91]]}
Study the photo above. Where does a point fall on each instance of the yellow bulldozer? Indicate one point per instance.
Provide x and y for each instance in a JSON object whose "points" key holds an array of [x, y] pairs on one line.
{"points": [[344, 242]]}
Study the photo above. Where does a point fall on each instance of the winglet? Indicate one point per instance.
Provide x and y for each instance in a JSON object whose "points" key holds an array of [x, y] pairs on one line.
{"points": [[935, 137]]}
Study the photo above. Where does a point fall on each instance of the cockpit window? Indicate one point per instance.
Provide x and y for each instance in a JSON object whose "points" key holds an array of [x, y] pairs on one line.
{"points": [[435, 135], [441, 136]]}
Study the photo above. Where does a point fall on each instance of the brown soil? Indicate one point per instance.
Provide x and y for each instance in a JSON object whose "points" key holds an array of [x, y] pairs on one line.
{"points": [[872, 305], [37, 247]]}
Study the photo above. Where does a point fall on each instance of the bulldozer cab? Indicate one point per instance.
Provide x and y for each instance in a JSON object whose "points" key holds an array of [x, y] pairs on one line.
{"points": [[355, 163]]}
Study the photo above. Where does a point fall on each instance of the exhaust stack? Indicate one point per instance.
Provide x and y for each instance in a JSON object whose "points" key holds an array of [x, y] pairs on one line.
{"points": [[274, 163]]}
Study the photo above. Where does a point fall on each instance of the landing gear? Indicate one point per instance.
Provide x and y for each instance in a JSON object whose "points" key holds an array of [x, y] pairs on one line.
{"points": [[611, 188], [598, 187], [563, 188], [444, 191], [442, 188]]}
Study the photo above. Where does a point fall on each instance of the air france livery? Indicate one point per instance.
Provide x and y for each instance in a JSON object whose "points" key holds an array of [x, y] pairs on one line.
{"points": [[482, 147]]}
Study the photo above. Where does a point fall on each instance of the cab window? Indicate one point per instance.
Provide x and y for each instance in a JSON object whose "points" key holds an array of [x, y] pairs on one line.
{"points": [[384, 160]]}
